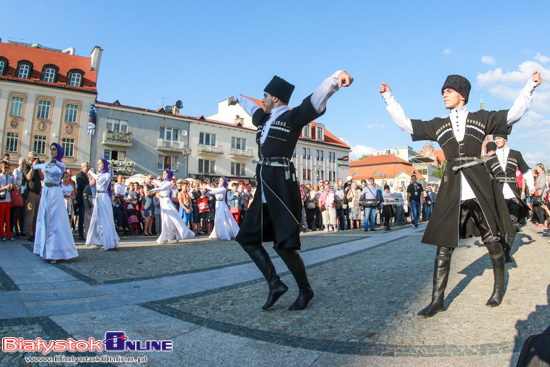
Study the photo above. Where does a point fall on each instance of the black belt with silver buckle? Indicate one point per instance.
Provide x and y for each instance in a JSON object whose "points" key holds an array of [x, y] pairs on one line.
{"points": [[47, 184], [103, 192]]}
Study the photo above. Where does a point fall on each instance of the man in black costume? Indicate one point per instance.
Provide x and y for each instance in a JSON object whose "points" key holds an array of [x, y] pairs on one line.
{"points": [[466, 193], [275, 212], [503, 166]]}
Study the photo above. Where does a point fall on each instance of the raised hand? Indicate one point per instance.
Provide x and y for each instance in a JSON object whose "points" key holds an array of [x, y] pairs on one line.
{"points": [[536, 78], [344, 79], [384, 88]]}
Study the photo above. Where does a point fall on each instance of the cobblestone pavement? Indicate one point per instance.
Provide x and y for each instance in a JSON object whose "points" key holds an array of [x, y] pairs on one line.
{"points": [[206, 297]]}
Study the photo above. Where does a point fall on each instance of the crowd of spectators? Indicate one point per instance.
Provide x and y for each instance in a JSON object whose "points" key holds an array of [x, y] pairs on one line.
{"points": [[327, 206]]}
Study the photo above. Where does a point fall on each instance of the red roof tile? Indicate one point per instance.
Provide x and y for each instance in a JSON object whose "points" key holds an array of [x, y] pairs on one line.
{"points": [[329, 137], [40, 57], [379, 170], [379, 159]]}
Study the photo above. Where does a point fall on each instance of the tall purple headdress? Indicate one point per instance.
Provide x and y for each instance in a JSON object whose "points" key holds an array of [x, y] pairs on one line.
{"points": [[60, 152], [170, 174], [224, 185], [106, 170]]}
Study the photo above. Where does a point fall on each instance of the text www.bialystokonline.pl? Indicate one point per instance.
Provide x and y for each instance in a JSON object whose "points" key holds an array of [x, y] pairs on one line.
{"points": [[87, 359]]}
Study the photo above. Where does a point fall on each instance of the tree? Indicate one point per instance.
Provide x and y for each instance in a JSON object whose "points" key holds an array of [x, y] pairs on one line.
{"points": [[365, 156], [441, 169]]}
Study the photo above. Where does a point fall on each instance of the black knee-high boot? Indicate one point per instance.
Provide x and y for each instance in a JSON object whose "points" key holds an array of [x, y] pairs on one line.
{"points": [[509, 243], [295, 264], [497, 258], [262, 260], [442, 267]]}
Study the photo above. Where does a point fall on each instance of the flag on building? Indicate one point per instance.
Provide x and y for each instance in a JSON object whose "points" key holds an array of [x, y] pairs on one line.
{"points": [[92, 121]]}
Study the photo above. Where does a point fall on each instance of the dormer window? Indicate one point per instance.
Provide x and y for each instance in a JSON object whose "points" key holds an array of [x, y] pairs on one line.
{"points": [[24, 70], [75, 78], [49, 73], [3, 65], [306, 131], [320, 133]]}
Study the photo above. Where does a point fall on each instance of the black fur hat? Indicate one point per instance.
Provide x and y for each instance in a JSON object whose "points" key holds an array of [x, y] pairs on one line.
{"points": [[458, 83], [280, 88], [491, 146]]}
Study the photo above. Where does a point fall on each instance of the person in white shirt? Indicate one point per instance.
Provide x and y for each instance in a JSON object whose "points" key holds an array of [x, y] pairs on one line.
{"points": [[465, 198]]}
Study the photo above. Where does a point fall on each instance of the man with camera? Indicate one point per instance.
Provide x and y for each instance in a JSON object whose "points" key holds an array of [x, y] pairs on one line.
{"points": [[34, 188]]}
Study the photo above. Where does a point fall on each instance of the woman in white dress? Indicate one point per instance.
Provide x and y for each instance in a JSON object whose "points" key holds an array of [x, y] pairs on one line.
{"points": [[225, 226], [53, 239], [173, 227], [69, 194], [102, 225]]}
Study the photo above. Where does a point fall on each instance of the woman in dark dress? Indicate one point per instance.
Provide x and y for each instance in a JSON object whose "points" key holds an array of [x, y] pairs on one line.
{"points": [[148, 205]]}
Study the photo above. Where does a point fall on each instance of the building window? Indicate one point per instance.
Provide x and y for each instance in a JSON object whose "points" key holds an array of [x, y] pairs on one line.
{"points": [[330, 175], [323, 175], [68, 147], [304, 174], [24, 71], [49, 75], [321, 155], [294, 154], [319, 134], [305, 155], [238, 143], [308, 153], [238, 169], [168, 133], [306, 131], [318, 154], [2, 67], [309, 174], [71, 112], [317, 175], [11, 142], [16, 106], [43, 110], [206, 166], [208, 139], [76, 80], [116, 125], [168, 162], [39, 145], [114, 154]]}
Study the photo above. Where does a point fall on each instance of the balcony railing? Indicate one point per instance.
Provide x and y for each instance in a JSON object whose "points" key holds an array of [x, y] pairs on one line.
{"points": [[245, 153], [120, 138], [170, 145], [208, 149]]}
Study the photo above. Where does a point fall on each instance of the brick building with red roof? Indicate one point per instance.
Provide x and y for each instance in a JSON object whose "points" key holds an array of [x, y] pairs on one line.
{"points": [[396, 171], [45, 97]]}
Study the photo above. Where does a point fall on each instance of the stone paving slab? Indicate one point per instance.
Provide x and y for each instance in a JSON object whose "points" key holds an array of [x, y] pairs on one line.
{"points": [[368, 290], [144, 259], [368, 302]]}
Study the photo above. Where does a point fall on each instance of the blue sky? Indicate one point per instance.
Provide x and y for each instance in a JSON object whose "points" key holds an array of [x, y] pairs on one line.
{"points": [[204, 52]]}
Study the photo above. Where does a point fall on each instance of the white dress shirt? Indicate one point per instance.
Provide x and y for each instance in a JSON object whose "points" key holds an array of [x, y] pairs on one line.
{"points": [[502, 155], [458, 121]]}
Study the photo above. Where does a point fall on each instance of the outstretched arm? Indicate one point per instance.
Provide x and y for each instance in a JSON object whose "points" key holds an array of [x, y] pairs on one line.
{"points": [[523, 102], [248, 105], [395, 110], [329, 86]]}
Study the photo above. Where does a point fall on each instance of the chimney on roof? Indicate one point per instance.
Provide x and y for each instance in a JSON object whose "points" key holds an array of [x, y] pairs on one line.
{"points": [[69, 51], [96, 58], [239, 120]]}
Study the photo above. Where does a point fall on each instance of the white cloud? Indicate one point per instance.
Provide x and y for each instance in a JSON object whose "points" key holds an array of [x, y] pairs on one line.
{"points": [[375, 126], [358, 151], [541, 58], [519, 77], [488, 60], [533, 159], [447, 51]]}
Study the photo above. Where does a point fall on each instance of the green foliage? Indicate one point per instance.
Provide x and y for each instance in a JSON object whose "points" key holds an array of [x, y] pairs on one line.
{"points": [[441, 169]]}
